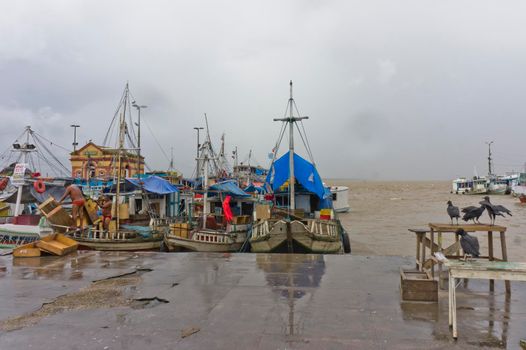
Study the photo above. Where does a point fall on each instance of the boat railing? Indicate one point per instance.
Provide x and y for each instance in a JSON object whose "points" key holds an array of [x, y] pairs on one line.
{"points": [[323, 227], [103, 234], [211, 237]]}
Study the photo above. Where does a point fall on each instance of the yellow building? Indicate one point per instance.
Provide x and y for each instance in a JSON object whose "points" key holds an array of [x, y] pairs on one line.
{"points": [[92, 161]]}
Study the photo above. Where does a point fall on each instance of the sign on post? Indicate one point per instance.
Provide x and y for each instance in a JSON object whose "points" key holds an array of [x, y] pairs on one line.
{"points": [[18, 174]]}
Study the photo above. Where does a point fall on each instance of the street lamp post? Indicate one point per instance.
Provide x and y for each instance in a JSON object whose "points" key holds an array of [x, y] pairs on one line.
{"points": [[75, 143], [197, 129], [138, 107]]}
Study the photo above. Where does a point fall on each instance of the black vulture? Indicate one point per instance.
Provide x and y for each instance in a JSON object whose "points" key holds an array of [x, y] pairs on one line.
{"points": [[468, 209], [494, 210], [473, 213], [469, 244], [452, 211]]}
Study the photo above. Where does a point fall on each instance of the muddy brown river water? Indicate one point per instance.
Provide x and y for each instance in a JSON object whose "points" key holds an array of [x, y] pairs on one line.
{"points": [[381, 213]]}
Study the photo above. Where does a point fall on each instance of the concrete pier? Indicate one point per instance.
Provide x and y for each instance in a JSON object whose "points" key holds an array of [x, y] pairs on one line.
{"points": [[126, 300]]}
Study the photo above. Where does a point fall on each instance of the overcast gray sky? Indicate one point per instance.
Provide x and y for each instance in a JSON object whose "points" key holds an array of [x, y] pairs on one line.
{"points": [[393, 89]]}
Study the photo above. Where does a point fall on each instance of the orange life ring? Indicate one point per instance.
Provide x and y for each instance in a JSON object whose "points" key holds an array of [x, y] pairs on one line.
{"points": [[3, 183], [39, 186]]}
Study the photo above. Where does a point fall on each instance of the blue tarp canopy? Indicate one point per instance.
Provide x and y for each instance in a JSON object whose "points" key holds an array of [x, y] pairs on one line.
{"points": [[228, 187], [252, 188], [304, 172], [154, 184]]}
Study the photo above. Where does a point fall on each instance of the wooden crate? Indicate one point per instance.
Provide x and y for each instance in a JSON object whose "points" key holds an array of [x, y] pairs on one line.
{"points": [[418, 286], [55, 214], [29, 250], [262, 211], [57, 244]]}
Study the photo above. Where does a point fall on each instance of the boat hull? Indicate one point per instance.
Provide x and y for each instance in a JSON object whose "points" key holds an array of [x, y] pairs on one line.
{"points": [[118, 241], [175, 243], [12, 236], [119, 246], [296, 237]]}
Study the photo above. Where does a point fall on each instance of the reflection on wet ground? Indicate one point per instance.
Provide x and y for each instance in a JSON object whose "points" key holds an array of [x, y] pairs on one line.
{"points": [[258, 301]]}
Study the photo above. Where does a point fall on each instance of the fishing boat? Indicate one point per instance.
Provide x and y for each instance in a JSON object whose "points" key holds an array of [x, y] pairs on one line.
{"points": [[121, 235], [22, 188], [461, 185], [300, 217], [479, 186], [209, 224]]}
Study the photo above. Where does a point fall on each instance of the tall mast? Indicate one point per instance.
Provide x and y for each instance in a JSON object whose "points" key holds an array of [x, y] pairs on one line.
{"points": [[291, 120], [121, 146], [292, 179], [25, 149], [205, 188]]}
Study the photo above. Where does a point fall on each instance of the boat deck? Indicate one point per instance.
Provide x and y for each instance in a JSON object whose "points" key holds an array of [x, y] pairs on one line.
{"points": [[245, 301]]}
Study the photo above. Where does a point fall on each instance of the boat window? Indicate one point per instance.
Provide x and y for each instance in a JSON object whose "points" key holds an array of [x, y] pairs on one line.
{"points": [[334, 196]]}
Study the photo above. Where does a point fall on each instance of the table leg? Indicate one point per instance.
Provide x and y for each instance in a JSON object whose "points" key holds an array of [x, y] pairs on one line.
{"points": [[504, 257], [454, 307], [450, 300], [458, 249], [418, 240], [440, 279], [432, 251], [423, 255], [490, 254]]}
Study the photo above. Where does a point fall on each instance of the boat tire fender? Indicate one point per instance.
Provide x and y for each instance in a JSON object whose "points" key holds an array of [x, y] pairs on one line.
{"points": [[346, 243]]}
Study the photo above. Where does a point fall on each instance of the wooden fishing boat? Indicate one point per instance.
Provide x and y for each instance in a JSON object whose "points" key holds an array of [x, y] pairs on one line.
{"points": [[207, 240], [206, 228], [300, 218], [311, 235], [122, 240]]}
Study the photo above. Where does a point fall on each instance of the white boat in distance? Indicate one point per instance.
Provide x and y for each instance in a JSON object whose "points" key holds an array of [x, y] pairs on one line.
{"points": [[340, 199]]}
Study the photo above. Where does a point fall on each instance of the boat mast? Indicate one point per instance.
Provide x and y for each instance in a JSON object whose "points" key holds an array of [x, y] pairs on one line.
{"points": [[24, 149], [291, 120], [205, 188], [119, 166]]}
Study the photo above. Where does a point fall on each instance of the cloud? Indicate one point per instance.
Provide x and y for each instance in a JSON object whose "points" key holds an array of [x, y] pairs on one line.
{"points": [[386, 85]]}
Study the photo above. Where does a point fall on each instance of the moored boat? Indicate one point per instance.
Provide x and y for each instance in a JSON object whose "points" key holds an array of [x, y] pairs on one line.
{"points": [[340, 199], [300, 216]]}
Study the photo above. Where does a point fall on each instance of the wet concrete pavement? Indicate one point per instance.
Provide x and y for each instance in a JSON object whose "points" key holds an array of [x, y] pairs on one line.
{"points": [[243, 301]]}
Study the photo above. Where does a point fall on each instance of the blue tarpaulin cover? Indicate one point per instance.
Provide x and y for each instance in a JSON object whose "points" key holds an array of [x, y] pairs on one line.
{"points": [[252, 188], [154, 184], [304, 172], [229, 187]]}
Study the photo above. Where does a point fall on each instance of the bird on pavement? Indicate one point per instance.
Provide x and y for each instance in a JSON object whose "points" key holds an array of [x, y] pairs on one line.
{"points": [[494, 210], [452, 211], [473, 213], [469, 244]]}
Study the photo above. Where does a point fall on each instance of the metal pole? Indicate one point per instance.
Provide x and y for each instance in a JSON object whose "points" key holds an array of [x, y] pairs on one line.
{"points": [[138, 107], [205, 187], [197, 151], [292, 200], [19, 194], [75, 143]]}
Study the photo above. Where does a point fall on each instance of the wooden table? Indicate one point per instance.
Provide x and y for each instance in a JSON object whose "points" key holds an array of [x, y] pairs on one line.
{"points": [[453, 251], [493, 270]]}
